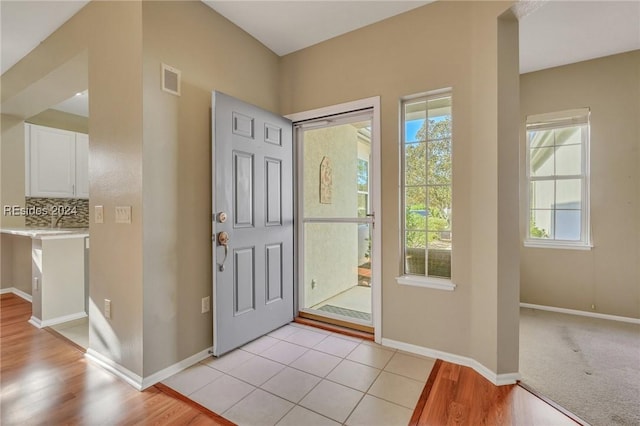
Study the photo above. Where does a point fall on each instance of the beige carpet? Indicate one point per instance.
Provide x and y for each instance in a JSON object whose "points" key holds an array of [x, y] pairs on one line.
{"points": [[589, 366]]}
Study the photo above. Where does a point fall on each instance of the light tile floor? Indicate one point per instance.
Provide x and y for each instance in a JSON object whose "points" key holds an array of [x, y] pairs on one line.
{"points": [[303, 376]]}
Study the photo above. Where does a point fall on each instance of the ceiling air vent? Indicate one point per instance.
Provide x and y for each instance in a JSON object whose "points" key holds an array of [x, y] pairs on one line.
{"points": [[170, 79]]}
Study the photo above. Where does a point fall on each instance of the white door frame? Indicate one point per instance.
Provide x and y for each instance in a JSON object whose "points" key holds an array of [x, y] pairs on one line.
{"points": [[375, 173]]}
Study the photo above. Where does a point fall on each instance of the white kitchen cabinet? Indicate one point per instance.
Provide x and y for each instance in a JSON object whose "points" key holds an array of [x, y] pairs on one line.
{"points": [[57, 163]]}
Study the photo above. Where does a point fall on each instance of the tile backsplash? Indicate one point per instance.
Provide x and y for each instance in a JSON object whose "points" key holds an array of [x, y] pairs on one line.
{"points": [[72, 212]]}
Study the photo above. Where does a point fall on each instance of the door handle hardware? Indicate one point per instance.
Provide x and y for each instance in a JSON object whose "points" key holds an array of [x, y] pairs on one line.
{"points": [[222, 217], [223, 240]]}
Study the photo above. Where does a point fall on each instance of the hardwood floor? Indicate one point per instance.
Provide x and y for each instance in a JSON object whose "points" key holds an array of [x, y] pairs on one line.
{"points": [[457, 395], [44, 380]]}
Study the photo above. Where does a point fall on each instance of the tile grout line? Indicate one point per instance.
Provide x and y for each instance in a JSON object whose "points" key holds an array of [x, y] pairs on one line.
{"points": [[358, 343], [207, 384], [325, 377], [369, 388], [260, 386]]}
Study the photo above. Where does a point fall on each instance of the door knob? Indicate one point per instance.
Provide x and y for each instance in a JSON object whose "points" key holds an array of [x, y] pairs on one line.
{"points": [[223, 240]]}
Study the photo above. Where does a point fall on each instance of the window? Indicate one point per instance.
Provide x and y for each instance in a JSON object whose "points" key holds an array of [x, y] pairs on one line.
{"points": [[363, 187], [426, 186], [558, 180]]}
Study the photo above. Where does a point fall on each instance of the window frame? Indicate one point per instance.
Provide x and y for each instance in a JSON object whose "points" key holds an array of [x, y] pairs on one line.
{"points": [[553, 121], [425, 281]]}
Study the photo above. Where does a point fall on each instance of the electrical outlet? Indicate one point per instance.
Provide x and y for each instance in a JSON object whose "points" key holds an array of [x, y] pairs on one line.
{"points": [[314, 283], [99, 214], [107, 308], [206, 304], [593, 307], [123, 214]]}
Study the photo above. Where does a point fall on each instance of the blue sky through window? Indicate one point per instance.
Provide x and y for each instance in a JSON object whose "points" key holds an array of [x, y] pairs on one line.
{"points": [[411, 129], [413, 126]]}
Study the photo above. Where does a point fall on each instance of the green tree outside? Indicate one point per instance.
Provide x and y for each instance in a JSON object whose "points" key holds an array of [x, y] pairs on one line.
{"points": [[428, 160]]}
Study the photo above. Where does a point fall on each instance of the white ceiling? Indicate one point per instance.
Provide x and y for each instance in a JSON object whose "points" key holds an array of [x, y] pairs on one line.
{"points": [[564, 32], [552, 32], [287, 26], [78, 104], [25, 24]]}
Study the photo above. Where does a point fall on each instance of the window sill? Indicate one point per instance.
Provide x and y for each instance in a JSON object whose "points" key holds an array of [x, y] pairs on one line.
{"points": [[563, 245], [426, 282]]}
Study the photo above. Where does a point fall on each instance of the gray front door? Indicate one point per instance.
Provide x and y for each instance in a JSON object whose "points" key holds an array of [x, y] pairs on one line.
{"points": [[253, 222]]}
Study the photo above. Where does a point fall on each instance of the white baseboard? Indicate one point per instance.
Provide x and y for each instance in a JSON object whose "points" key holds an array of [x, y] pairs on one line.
{"points": [[581, 313], [35, 322], [58, 320], [496, 379], [18, 293], [114, 368], [138, 382], [65, 318], [175, 368]]}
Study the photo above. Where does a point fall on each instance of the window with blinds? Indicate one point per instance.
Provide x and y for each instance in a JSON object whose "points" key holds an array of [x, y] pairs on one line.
{"points": [[558, 180]]}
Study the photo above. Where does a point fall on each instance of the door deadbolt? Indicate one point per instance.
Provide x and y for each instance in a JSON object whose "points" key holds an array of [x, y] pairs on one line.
{"points": [[222, 217]]}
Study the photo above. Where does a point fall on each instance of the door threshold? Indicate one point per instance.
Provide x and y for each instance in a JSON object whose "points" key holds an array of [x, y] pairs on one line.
{"points": [[336, 326]]}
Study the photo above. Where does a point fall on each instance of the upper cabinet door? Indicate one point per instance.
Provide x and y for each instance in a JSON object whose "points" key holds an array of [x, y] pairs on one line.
{"points": [[82, 165], [53, 162]]}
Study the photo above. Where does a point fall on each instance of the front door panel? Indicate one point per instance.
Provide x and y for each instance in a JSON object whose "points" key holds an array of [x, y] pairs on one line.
{"points": [[252, 186]]}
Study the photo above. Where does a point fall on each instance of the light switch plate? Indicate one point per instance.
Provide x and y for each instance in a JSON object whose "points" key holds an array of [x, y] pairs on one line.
{"points": [[123, 214], [99, 214], [206, 304]]}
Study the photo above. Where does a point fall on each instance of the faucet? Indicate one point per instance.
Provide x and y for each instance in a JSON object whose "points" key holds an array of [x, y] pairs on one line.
{"points": [[55, 223]]}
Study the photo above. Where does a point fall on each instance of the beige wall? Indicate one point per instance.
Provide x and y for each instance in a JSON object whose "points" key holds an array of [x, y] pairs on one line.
{"points": [[444, 44], [177, 164], [150, 150], [12, 179], [61, 120], [100, 35], [16, 262], [139, 133], [608, 276], [508, 313]]}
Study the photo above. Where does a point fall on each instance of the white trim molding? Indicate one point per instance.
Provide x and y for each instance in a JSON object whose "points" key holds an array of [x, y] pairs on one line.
{"points": [[114, 368], [65, 318], [496, 379], [58, 320], [138, 382], [35, 322], [18, 293], [426, 282], [375, 178], [556, 244], [581, 313], [175, 368]]}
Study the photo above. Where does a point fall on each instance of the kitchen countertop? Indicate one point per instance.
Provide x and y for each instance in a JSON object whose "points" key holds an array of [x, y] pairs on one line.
{"points": [[47, 233]]}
